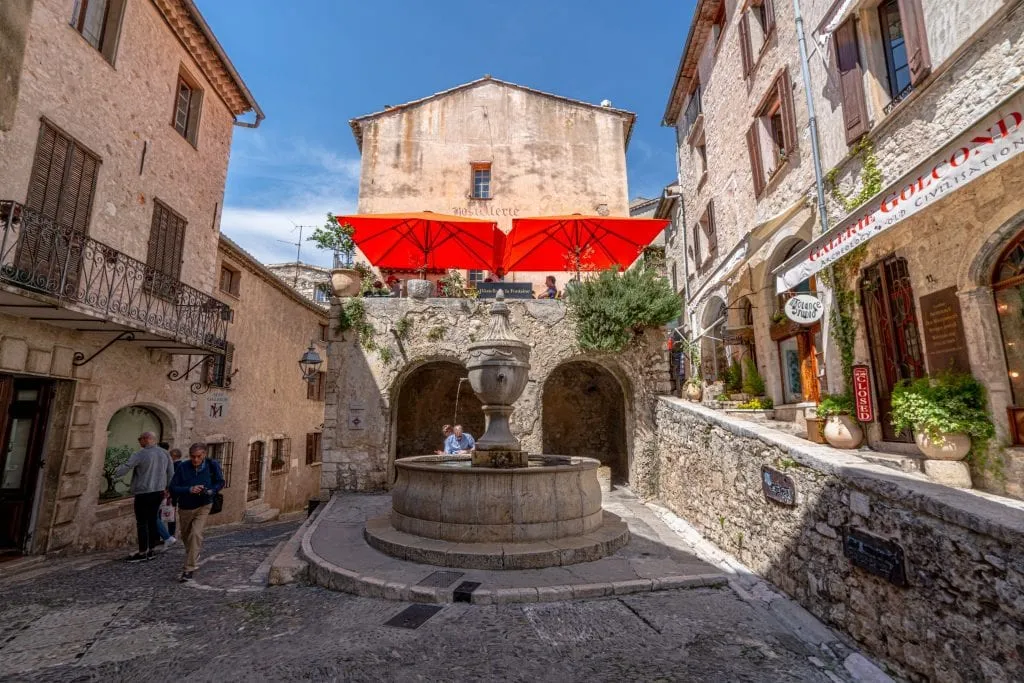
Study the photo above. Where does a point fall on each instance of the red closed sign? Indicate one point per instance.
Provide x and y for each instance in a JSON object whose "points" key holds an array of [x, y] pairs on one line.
{"points": [[865, 412]]}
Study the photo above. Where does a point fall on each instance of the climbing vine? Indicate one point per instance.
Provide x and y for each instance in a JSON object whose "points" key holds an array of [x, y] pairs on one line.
{"points": [[352, 317], [870, 177]]}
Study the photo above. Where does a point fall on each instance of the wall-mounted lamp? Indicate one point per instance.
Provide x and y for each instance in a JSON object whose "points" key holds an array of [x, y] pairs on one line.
{"points": [[310, 363]]}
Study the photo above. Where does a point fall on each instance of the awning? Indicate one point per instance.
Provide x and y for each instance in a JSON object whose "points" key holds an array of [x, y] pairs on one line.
{"points": [[993, 140]]}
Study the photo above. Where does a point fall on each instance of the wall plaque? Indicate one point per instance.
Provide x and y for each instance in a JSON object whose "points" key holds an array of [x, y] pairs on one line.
{"points": [[512, 290], [804, 309], [778, 486], [944, 341], [865, 411], [356, 415], [877, 555], [217, 406]]}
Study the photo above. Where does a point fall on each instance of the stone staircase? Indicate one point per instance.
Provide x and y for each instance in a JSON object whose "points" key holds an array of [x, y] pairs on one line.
{"points": [[260, 512]]}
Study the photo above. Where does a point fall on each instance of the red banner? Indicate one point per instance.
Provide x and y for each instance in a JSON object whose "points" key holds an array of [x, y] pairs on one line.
{"points": [[865, 412]]}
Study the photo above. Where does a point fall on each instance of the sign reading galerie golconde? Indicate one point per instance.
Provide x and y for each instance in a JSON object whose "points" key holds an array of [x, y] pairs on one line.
{"points": [[993, 141], [804, 309]]}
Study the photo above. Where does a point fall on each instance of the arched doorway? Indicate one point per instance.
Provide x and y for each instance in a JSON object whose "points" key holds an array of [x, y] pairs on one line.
{"points": [[584, 414], [430, 397], [799, 346], [1008, 290], [123, 432]]}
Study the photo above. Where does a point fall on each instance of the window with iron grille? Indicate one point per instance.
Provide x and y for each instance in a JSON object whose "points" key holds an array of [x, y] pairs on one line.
{"points": [[316, 390], [99, 22], [481, 181], [188, 101], [314, 448], [282, 450], [222, 453], [217, 369]]}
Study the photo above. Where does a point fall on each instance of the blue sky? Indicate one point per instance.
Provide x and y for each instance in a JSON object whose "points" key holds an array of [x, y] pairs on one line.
{"points": [[314, 64]]}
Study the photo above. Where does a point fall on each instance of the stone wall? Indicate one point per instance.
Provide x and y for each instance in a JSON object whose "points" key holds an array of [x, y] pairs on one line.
{"points": [[14, 18], [959, 616], [303, 278], [365, 387]]}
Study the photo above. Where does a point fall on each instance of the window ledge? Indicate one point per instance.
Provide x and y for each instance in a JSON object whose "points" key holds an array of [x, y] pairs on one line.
{"points": [[315, 464], [479, 199], [177, 134], [234, 296], [283, 470], [703, 179]]}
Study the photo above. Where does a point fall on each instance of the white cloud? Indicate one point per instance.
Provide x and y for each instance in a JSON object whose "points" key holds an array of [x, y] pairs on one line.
{"points": [[276, 186]]}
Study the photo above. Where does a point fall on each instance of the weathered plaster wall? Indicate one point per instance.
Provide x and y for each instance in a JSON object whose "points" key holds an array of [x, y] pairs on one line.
{"points": [[14, 19], [69, 82], [360, 425], [957, 620]]}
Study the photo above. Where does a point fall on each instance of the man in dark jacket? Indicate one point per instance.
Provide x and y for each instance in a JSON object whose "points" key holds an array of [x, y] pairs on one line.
{"points": [[194, 484]]}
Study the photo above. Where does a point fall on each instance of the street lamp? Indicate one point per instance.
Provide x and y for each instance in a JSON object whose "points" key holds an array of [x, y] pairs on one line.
{"points": [[310, 363]]}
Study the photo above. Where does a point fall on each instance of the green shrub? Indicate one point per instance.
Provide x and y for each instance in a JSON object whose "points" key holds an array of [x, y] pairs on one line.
{"points": [[835, 404], [722, 397], [753, 383], [948, 403], [612, 308], [761, 403], [734, 378]]}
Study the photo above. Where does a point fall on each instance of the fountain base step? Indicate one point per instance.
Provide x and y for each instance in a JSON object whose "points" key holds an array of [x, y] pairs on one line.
{"points": [[605, 540]]}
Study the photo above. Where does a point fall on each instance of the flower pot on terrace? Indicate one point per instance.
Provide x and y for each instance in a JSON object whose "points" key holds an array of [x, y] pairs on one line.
{"points": [[420, 289], [842, 431], [693, 392], [345, 282], [945, 447], [815, 430]]}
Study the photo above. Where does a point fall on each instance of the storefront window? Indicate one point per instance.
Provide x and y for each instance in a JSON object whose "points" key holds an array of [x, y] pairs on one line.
{"points": [[1008, 287]]}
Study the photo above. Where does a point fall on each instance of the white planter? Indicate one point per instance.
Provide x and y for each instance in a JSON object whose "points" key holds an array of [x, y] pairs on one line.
{"points": [[420, 289], [842, 431], [345, 282], [945, 447]]}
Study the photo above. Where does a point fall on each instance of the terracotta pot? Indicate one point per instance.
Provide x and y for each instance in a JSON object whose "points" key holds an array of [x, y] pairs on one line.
{"points": [[946, 447], [345, 282], [815, 431], [420, 289], [842, 431], [693, 392]]}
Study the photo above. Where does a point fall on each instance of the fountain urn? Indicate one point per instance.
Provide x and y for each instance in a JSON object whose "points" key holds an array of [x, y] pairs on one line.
{"points": [[499, 366]]}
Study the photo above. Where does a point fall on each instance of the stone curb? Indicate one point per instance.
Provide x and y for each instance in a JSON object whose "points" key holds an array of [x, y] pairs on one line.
{"points": [[287, 564], [328, 575]]}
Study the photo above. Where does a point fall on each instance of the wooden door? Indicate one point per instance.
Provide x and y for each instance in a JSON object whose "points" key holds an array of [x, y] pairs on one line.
{"points": [[24, 406], [255, 489]]}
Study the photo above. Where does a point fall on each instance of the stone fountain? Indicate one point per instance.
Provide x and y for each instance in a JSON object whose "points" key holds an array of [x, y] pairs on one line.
{"points": [[499, 508]]}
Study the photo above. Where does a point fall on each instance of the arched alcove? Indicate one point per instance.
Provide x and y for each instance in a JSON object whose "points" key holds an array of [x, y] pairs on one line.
{"points": [[123, 432], [584, 414], [714, 360], [428, 398]]}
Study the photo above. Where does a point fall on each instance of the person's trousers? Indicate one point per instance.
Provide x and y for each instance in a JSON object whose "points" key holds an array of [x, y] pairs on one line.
{"points": [[161, 526], [147, 506], [191, 524]]}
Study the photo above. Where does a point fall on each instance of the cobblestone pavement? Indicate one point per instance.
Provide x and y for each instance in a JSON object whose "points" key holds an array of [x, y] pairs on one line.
{"points": [[97, 618]]}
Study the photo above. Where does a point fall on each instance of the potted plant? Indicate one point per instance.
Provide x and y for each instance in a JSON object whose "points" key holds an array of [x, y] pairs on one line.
{"points": [[950, 420], [694, 389], [337, 237], [841, 429]]}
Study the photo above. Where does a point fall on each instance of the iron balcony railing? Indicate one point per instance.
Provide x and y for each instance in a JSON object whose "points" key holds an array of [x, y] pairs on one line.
{"points": [[40, 255]]}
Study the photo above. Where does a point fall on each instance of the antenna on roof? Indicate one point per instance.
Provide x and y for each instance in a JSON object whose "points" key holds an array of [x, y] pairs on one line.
{"points": [[298, 251]]}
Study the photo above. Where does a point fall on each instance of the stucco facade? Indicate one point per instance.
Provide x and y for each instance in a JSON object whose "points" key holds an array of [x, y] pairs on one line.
{"points": [[93, 322], [548, 156], [312, 282]]}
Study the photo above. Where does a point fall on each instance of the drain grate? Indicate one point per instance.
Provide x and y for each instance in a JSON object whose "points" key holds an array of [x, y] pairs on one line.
{"points": [[441, 579], [464, 591], [413, 616]]}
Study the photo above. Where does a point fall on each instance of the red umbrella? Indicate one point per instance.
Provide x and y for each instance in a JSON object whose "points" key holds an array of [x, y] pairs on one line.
{"points": [[577, 242], [427, 241]]}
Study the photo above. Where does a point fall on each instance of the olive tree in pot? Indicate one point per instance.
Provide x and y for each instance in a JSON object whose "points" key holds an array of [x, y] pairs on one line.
{"points": [[949, 416], [337, 238], [841, 429]]}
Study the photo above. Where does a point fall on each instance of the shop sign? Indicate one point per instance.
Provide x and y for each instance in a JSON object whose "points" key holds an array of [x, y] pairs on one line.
{"points": [[991, 142], [864, 411], [778, 486], [944, 340], [876, 555], [804, 309], [217, 406]]}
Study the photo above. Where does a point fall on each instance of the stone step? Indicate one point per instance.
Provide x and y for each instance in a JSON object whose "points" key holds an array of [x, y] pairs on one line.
{"points": [[260, 513], [897, 461]]}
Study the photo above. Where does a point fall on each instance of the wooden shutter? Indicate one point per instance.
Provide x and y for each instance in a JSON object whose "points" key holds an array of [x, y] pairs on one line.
{"points": [[194, 107], [321, 383], [286, 449], [745, 47], [227, 453], [696, 245], [229, 361], [916, 38], [785, 86], [76, 193], [52, 151], [754, 149], [709, 228], [310, 447], [769, 18], [851, 82]]}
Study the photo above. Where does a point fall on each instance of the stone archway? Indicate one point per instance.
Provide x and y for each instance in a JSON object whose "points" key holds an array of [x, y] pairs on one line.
{"points": [[584, 413], [123, 431], [426, 401]]}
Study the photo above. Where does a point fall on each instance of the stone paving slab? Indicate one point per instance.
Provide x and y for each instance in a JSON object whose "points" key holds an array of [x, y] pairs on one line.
{"points": [[655, 559]]}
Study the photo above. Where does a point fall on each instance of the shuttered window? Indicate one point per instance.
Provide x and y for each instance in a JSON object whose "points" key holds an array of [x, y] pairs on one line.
{"points": [[99, 22], [707, 231], [166, 243], [851, 82], [188, 102], [63, 180], [916, 39], [756, 27], [314, 447], [771, 138], [282, 450]]}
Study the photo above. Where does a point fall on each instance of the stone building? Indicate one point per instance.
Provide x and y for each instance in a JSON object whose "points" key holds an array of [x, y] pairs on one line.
{"points": [[495, 150], [312, 282], [114, 136], [260, 419], [745, 171], [393, 385]]}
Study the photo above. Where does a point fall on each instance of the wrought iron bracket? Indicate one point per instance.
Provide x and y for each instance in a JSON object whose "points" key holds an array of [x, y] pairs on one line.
{"points": [[174, 375], [79, 359]]}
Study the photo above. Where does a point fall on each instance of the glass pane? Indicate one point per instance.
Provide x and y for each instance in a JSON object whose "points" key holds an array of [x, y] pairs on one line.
{"points": [[26, 395], [792, 384], [895, 46], [92, 22], [17, 453], [1010, 307]]}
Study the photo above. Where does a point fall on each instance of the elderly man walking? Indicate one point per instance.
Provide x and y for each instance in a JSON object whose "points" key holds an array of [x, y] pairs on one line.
{"points": [[151, 470], [194, 484]]}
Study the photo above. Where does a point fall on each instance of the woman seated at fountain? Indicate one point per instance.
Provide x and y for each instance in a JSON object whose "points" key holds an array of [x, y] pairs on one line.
{"points": [[459, 442], [446, 431]]}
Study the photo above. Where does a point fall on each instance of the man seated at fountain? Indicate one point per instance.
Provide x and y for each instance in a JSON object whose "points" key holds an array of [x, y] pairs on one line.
{"points": [[459, 442]]}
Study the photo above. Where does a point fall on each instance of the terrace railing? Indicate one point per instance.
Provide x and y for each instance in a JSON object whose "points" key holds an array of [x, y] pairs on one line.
{"points": [[43, 256]]}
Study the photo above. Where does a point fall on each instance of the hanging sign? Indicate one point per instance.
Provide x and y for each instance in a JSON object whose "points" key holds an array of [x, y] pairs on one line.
{"points": [[992, 141], [865, 412], [804, 309]]}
